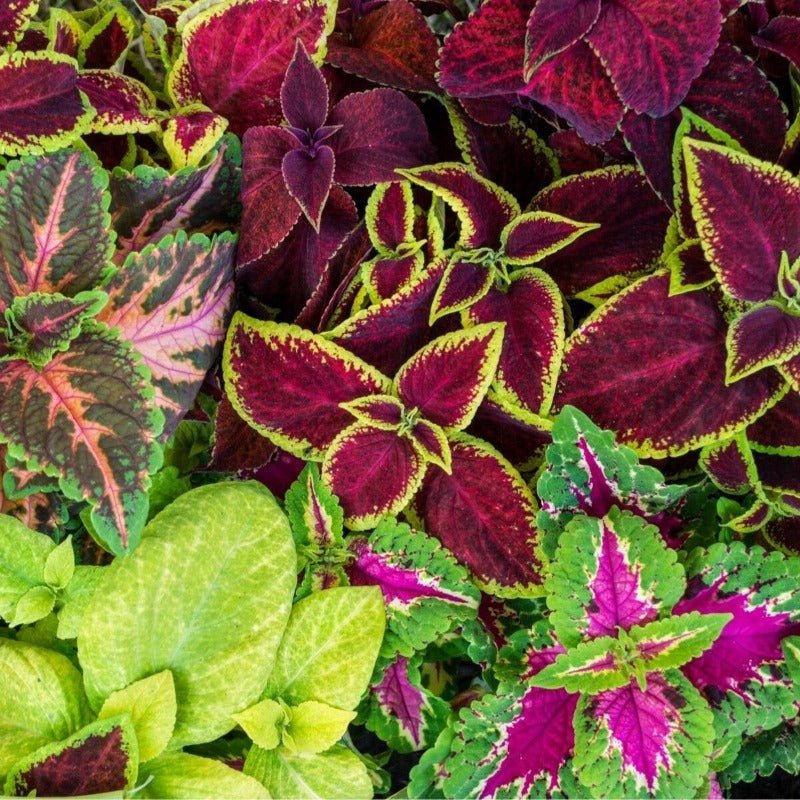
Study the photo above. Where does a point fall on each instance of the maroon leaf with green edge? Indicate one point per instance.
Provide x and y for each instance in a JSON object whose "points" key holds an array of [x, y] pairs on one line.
{"points": [[730, 465], [304, 93], [288, 383], [122, 104], [632, 219], [446, 380], [379, 410], [484, 513], [776, 431], [783, 533], [554, 26], [390, 215], [373, 472], [627, 385], [779, 474], [533, 236], [14, 18], [384, 277], [763, 335], [575, 85], [689, 269], [389, 333], [191, 133], [101, 757], [55, 225], [172, 303], [431, 443], [745, 254], [150, 203], [64, 32], [653, 57], [107, 41], [98, 396], [235, 55], [464, 282], [533, 340], [42, 108], [392, 45]]}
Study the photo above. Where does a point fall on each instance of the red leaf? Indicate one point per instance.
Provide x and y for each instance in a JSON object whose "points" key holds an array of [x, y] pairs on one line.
{"points": [[554, 26]]}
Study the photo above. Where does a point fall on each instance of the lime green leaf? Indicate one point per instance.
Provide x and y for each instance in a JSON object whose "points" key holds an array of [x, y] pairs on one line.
{"points": [[75, 598], [338, 774], [181, 775], [206, 595], [23, 554], [592, 666], [60, 565], [330, 646], [36, 603], [314, 727], [263, 722], [152, 707]]}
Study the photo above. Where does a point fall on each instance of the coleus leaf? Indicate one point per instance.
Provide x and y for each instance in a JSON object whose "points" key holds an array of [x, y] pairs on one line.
{"points": [[172, 302], [55, 223], [610, 573], [635, 743], [288, 383], [42, 108], [107, 41], [401, 711], [235, 55], [14, 18], [122, 104], [774, 431], [730, 464], [626, 389], [308, 180], [743, 674], [589, 473], [553, 27], [492, 532], [426, 592], [190, 133], [108, 428], [314, 512], [101, 757], [304, 93]]}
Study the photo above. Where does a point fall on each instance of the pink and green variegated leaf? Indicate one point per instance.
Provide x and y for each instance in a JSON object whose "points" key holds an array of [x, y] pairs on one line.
{"points": [[764, 335], [14, 18], [743, 674], [235, 55], [304, 93], [380, 410], [533, 236], [628, 384], [729, 464], [653, 57], [745, 252], [55, 225], [382, 130], [533, 312], [485, 514], [390, 215], [483, 208], [401, 711], [373, 472], [484, 56], [101, 757], [588, 667], [589, 473], [42, 108], [389, 333], [639, 744], [463, 283], [172, 303], [314, 512], [554, 26], [575, 85], [190, 134], [392, 45], [777, 430], [308, 179], [431, 443], [610, 573], [289, 383], [426, 591], [41, 325], [447, 379], [98, 396], [122, 104], [633, 223]]}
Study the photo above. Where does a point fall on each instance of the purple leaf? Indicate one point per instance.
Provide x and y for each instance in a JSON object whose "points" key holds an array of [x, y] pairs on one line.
{"points": [[554, 26], [304, 93], [463, 284], [777, 428], [308, 178], [759, 337]]}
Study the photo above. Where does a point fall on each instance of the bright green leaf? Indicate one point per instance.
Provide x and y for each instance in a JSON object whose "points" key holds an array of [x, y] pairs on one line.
{"points": [[23, 554], [35, 604], [590, 667], [315, 727], [75, 598], [263, 722], [60, 565]]}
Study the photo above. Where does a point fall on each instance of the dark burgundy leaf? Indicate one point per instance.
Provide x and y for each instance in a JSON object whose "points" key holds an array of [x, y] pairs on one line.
{"points": [[555, 25], [304, 93], [309, 178]]}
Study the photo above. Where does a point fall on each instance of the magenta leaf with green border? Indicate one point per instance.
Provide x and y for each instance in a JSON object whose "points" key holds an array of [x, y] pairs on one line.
{"points": [[729, 464], [122, 104], [743, 674], [101, 757], [190, 133], [235, 55], [288, 383], [42, 108], [107, 41], [172, 303], [763, 335], [776, 431], [628, 384], [14, 18], [98, 397], [484, 513], [54, 226]]}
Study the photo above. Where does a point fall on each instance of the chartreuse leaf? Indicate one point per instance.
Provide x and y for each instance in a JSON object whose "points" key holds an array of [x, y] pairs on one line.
{"points": [[60, 565], [101, 757], [35, 604], [610, 573], [264, 722], [654, 742], [329, 648], [47, 703], [184, 776], [314, 727], [74, 599], [206, 596], [152, 707]]}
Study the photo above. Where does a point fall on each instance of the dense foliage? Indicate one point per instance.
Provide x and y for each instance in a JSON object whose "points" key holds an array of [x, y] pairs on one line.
{"points": [[399, 397]]}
